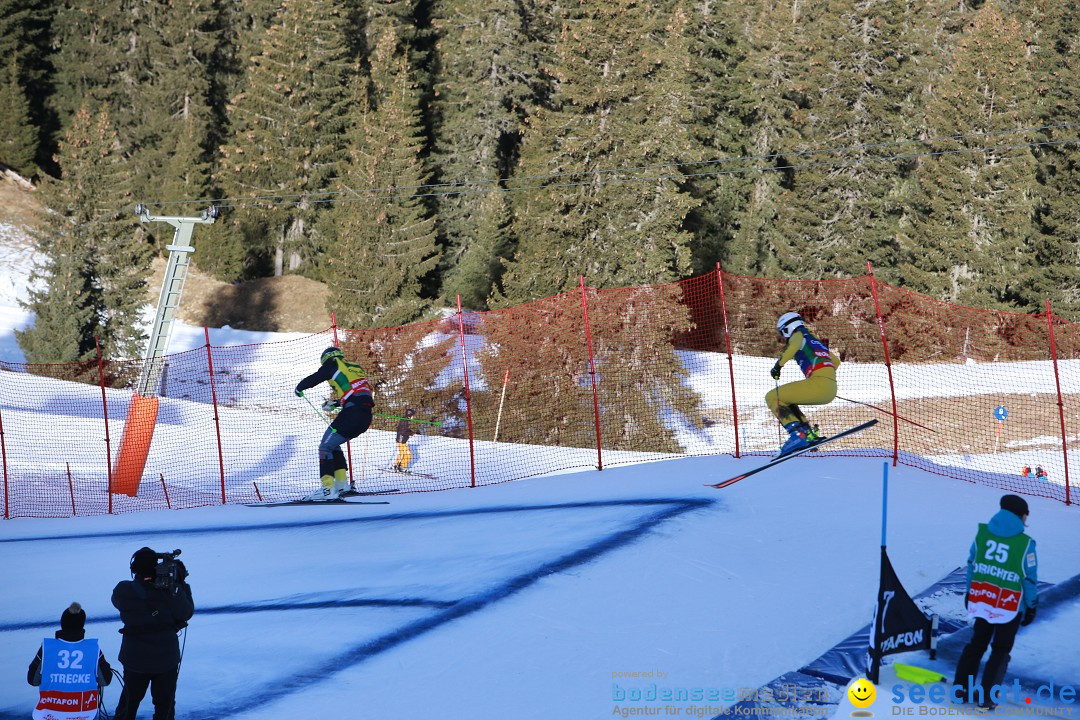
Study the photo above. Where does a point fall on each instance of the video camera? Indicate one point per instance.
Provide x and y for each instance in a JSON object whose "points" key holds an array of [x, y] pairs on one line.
{"points": [[169, 572]]}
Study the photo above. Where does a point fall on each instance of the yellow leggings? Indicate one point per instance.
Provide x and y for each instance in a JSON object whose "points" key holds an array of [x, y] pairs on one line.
{"points": [[818, 389], [404, 456]]}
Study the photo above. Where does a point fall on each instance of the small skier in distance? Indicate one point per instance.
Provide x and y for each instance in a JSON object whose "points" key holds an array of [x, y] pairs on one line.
{"points": [[818, 365]]}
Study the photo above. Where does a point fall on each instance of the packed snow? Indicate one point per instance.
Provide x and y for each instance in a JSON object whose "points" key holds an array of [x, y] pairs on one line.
{"points": [[562, 596]]}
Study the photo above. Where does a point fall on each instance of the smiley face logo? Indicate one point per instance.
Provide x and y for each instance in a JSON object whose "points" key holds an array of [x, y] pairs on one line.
{"points": [[862, 693]]}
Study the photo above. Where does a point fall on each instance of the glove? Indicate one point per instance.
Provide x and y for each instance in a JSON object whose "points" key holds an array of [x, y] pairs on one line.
{"points": [[330, 406], [181, 571], [1029, 615], [775, 372], [299, 392]]}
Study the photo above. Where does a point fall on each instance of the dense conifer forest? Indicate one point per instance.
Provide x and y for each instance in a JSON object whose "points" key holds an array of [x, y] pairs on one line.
{"points": [[406, 152]]}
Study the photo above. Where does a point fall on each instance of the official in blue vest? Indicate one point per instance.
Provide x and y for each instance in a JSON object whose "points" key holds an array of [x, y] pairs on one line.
{"points": [[150, 649], [65, 670]]}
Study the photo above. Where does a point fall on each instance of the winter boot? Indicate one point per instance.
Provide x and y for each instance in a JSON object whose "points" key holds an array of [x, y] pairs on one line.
{"points": [[797, 438]]}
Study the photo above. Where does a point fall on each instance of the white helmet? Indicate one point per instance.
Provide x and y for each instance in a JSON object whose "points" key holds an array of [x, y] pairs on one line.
{"points": [[788, 323]]}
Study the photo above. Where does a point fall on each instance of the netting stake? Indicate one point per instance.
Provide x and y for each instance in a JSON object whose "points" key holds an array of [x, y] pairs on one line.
{"points": [[71, 490], [165, 490]]}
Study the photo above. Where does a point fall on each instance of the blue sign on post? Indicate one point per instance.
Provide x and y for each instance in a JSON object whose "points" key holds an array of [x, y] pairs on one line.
{"points": [[1000, 412]]}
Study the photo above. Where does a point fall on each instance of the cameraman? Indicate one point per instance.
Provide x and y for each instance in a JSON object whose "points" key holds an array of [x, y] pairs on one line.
{"points": [[150, 650]]}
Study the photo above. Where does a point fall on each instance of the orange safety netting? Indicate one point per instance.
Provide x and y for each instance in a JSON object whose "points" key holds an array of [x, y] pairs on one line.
{"points": [[585, 379]]}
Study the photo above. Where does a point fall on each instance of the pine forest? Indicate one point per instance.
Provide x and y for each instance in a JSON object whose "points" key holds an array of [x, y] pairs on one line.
{"points": [[410, 152]]}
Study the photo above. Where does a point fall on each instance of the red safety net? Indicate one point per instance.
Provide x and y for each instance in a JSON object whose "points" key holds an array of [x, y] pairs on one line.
{"points": [[585, 379]]}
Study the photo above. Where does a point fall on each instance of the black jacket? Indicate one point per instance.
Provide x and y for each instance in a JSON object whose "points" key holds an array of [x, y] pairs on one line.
{"points": [[104, 670], [152, 618], [404, 431]]}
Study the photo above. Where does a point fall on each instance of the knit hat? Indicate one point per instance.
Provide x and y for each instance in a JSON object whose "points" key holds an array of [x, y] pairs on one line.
{"points": [[143, 562], [1015, 504], [410, 412], [73, 620]]}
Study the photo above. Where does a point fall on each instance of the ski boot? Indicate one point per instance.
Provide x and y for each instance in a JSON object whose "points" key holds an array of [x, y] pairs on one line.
{"points": [[799, 437], [326, 492]]}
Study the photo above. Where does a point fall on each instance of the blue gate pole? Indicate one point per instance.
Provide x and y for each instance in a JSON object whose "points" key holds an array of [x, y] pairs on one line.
{"points": [[884, 500]]}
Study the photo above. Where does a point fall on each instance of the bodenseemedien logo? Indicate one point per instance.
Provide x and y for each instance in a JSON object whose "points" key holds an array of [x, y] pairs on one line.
{"points": [[862, 694]]}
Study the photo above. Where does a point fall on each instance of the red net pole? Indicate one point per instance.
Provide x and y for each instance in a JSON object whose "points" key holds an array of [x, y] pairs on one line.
{"points": [[348, 445], [888, 363], [592, 373], [730, 362], [1060, 400], [217, 420], [3, 459], [105, 414], [468, 399]]}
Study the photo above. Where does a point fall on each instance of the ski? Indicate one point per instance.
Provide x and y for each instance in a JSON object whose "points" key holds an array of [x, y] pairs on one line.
{"points": [[358, 493], [794, 453], [407, 473], [339, 501]]}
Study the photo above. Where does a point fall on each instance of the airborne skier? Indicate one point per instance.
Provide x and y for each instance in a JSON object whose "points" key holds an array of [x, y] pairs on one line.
{"points": [[819, 366]]}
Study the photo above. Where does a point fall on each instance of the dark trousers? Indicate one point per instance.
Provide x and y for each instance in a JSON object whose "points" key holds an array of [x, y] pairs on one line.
{"points": [[162, 693], [999, 638], [353, 420]]}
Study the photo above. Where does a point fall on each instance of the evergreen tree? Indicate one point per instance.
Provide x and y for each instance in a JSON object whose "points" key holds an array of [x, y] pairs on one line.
{"points": [[100, 61], [92, 281], [489, 78], [613, 207], [1053, 271], [861, 87], [171, 147], [287, 134], [18, 136], [24, 39], [722, 112], [382, 237], [976, 199]]}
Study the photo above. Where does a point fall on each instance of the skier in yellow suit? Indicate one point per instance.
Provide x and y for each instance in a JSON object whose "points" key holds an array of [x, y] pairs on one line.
{"points": [[818, 365], [404, 432]]}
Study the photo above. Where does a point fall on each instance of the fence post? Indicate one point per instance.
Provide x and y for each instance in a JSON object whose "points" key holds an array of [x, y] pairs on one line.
{"points": [[1060, 401], [468, 399], [3, 460], [105, 414], [217, 421], [592, 374], [888, 364], [730, 362]]}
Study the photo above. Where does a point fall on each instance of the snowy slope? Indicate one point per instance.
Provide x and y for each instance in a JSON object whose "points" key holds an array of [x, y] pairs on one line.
{"points": [[524, 599], [541, 598]]}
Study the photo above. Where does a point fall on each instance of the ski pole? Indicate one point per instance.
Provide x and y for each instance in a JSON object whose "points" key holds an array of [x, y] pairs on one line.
{"points": [[315, 409], [898, 416], [398, 417]]}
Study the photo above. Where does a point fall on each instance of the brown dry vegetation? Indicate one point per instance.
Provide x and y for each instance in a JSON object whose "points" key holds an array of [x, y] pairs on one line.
{"points": [[281, 304]]}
